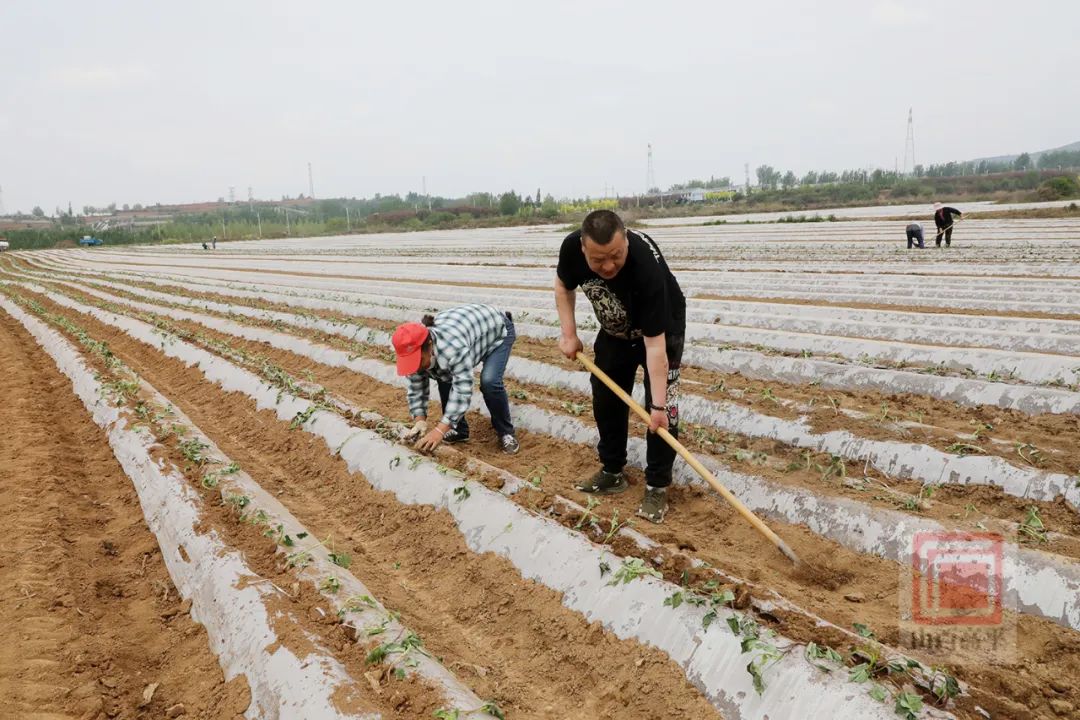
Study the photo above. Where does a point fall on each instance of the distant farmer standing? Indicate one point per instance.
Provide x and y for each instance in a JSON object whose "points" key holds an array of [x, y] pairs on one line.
{"points": [[446, 348], [943, 219], [642, 316], [915, 232]]}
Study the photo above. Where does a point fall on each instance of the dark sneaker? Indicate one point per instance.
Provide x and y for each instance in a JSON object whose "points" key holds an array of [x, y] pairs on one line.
{"points": [[509, 444], [654, 505], [603, 483], [453, 437]]}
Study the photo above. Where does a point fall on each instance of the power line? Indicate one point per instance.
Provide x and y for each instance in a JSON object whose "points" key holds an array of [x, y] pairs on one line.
{"points": [[650, 173], [909, 145]]}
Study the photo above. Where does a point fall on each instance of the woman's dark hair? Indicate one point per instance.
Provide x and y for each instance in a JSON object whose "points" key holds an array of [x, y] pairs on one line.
{"points": [[427, 321]]}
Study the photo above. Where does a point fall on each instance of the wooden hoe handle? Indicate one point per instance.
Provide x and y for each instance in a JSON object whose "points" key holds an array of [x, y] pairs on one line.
{"points": [[691, 460]]}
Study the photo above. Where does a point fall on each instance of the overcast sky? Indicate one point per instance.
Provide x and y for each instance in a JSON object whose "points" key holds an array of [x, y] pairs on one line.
{"points": [[172, 102]]}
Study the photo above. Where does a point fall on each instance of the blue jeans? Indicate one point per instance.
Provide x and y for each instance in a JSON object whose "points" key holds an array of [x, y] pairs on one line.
{"points": [[491, 386]]}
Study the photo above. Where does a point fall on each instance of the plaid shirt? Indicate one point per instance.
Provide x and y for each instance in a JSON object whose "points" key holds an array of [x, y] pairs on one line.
{"points": [[462, 337]]}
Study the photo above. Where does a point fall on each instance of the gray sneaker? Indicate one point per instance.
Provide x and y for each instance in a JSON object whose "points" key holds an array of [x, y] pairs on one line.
{"points": [[654, 505], [603, 483], [509, 444]]}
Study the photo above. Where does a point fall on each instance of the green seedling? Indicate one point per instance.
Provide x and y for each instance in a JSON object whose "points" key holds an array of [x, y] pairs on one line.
{"points": [[836, 467], [604, 568], [879, 693], [302, 417], [716, 601], [631, 569], [239, 502], [259, 517], [519, 395], [863, 630], [614, 526], [414, 462], [341, 559], [718, 387], [395, 461], [1031, 455], [588, 516], [767, 394], [1033, 526], [492, 709], [462, 493], [443, 714], [908, 705], [279, 535], [818, 652], [963, 449], [192, 450], [756, 641], [356, 603], [943, 685], [574, 408], [536, 476], [298, 559], [330, 585]]}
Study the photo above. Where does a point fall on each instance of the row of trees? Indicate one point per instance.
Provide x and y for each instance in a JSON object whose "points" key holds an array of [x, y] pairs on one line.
{"points": [[770, 178]]}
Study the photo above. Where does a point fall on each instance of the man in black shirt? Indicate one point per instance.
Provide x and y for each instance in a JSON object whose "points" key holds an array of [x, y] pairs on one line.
{"points": [[944, 221], [642, 316]]}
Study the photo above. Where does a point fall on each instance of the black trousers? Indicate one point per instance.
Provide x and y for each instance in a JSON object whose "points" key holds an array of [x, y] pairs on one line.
{"points": [[912, 236], [947, 233], [621, 359]]}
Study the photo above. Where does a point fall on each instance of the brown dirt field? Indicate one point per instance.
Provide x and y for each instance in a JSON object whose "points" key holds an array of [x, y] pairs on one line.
{"points": [[90, 616], [333, 277], [894, 308], [1055, 435], [715, 535], [966, 505], [510, 639]]}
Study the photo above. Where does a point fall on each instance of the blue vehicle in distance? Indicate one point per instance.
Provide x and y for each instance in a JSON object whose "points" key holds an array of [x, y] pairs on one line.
{"points": [[88, 241]]}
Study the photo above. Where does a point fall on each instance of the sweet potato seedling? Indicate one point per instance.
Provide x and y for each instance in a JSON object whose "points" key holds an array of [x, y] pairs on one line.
{"points": [[1033, 528], [631, 569]]}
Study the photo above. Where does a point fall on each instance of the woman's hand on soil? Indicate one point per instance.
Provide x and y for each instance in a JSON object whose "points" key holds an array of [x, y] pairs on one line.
{"points": [[429, 442], [418, 430]]}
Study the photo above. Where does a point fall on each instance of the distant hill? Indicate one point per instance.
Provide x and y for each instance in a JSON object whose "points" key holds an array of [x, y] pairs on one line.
{"points": [[1071, 147]]}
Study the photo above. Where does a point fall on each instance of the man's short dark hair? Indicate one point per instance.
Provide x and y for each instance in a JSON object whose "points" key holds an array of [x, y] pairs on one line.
{"points": [[601, 225]]}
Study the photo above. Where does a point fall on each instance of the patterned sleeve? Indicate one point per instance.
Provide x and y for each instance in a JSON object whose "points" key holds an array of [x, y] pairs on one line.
{"points": [[461, 387], [417, 394]]}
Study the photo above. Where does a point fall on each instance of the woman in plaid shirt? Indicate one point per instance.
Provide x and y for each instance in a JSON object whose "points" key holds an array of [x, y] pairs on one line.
{"points": [[446, 348]]}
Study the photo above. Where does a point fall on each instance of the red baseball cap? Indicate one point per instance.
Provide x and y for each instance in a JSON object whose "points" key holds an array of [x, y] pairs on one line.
{"points": [[408, 340]]}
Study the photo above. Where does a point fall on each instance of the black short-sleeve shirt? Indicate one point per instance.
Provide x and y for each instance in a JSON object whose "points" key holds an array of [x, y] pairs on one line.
{"points": [[644, 299]]}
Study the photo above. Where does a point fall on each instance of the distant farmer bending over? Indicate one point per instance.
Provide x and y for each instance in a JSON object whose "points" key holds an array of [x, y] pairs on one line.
{"points": [[915, 232], [447, 347], [943, 219], [642, 316]]}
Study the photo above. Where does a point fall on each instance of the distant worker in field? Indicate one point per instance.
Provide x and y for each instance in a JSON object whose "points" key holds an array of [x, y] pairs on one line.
{"points": [[944, 220], [213, 243], [446, 348], [642, 316], [915, 232]]}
